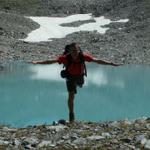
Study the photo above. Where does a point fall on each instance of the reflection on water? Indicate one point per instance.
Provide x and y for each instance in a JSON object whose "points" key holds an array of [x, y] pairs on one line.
{"points": [[96, 75], [34, 94]]}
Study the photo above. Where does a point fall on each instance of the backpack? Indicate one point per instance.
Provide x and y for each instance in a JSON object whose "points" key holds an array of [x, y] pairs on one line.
{"points": [[64, 73]]}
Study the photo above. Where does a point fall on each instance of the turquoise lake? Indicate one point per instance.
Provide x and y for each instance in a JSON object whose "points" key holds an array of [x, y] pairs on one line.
{"points": [[36, 94]]}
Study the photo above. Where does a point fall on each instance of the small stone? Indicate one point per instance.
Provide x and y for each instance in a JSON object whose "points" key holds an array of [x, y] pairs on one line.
{"points": [[126, 140], [65, 137], [32, 140], [147, 144], [24, 143], [115, 124], [57, 128], [127, 122], [27, 147], [2, 142], [74, 136], [95, 137], [106, 135], [140, 138], [45, 143], [62, 121], [131, 147], [80, 141], [17, 142], [148, 126], [60, 141], [55, 123], [143, 141], [9, 129]]}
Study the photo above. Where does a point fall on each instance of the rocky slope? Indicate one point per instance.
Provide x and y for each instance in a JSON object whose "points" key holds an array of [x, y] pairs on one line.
{"points": [[129, 45]]}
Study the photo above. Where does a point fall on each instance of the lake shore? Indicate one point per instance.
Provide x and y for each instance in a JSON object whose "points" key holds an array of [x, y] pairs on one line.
{"points": [[79, 135]]}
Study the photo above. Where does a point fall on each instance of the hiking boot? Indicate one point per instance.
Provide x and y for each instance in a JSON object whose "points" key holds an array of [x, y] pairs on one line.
{"points": [[71, 117]]}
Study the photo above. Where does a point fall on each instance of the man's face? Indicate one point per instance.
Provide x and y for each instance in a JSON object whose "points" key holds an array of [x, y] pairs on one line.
{"points": [[75, 50]]}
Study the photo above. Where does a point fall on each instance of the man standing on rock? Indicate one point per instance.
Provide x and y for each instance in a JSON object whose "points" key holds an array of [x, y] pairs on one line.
{"points": [[75, 71]]}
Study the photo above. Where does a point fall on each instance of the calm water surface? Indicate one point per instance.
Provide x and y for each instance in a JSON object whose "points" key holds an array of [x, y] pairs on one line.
{"points": [[35, 94]]}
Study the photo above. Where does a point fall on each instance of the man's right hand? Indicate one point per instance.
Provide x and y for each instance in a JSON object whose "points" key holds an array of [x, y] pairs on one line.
{"points": [[114, 64]]}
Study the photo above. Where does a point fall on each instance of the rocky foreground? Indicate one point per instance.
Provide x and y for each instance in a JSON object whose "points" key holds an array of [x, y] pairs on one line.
{"points": [[117, 135]]}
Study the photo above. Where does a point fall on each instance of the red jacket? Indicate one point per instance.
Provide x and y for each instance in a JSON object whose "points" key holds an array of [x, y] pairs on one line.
{"points": [[75, 68]]}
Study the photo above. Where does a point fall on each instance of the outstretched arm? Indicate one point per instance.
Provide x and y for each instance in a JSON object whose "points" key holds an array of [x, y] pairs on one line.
{"points": [[103, 62], [45, 62]]}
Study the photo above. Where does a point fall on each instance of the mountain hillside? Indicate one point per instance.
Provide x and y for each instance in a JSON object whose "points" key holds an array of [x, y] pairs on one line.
{"points": [[130, 45]]}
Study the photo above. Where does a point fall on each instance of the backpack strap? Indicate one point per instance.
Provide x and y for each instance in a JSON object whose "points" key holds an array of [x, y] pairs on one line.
{"points": [[69, 59], [81, 56]]}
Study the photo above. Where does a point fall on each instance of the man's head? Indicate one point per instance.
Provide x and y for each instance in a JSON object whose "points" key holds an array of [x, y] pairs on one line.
{"points": [[75, 49]]}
